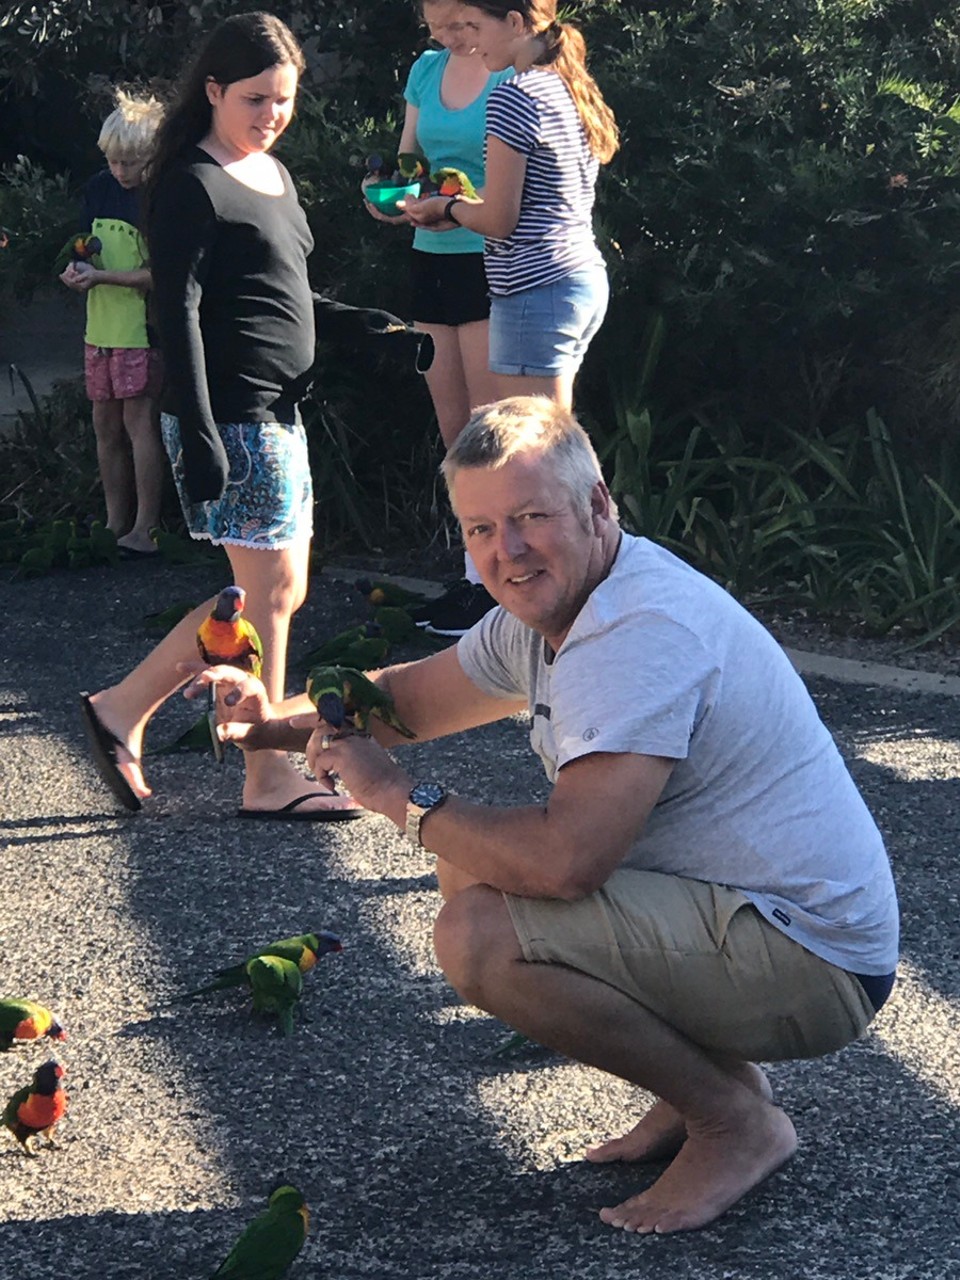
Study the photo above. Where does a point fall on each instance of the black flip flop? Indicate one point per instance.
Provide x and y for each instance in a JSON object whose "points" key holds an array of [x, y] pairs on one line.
{"points": [[103, 749], [290, 812]]}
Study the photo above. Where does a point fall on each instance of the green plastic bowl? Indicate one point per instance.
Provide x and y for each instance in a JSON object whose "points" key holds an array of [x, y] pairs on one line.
{"points": [[384, 196]]}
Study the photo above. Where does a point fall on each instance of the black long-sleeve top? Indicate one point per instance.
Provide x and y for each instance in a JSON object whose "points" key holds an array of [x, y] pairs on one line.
{"points": [[233, 307]]}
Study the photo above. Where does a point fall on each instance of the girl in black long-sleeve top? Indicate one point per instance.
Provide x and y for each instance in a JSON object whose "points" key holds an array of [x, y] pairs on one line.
{"points": [[228, 242]]}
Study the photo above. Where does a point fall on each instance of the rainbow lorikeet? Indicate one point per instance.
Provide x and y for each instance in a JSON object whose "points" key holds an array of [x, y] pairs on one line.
{"points": [[343, 693], [268, 1246], [226, 637], [276, 985], [390, 593], [24, 1020], [395, 625], [38, 1107], [453, 182], [302, 950], [410, 166], [361, 646], [83, 246]]}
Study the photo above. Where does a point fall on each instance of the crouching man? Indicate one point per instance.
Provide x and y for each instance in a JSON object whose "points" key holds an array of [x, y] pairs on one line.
{"points": [[704, 888]]}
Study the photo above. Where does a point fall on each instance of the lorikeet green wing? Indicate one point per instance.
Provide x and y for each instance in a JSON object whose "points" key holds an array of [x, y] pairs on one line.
{"points": [[359, 646], [276, 985], [24, 1020], [268, 1246], [359, 697], [303, 950]]}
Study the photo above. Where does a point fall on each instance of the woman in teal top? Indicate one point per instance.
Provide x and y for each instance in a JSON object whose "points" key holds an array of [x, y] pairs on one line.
{"points": [[446, 101]]}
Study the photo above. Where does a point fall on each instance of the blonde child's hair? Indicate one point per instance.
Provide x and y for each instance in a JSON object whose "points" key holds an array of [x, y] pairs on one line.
{"points": [[129, 129]]}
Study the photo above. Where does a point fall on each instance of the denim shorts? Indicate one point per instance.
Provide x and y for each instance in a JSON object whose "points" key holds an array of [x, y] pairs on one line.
{"points": [[268, 501], [545, 331]]}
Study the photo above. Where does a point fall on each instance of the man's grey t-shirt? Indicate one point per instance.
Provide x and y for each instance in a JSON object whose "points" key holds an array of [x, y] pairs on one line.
{"points": [[662, 661]]}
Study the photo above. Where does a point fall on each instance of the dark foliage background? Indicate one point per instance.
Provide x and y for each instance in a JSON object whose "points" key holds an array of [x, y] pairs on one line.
{"points": [[781, 227]]}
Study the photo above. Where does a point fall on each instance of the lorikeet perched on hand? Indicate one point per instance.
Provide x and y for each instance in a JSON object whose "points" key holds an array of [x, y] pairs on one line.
{"points": [[270, 1243], [81, 247], [225, 637], [276, 985], [24, 1020], [453, 182], [341, 693], [302, 950], [38, 1107]]}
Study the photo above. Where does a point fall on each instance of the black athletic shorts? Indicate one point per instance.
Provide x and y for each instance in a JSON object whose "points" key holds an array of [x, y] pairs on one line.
{"points": [[449, 288]]}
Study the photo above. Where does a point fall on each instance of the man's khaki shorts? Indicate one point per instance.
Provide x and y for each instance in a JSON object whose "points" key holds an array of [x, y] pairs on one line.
{"points": [[703, 959]]}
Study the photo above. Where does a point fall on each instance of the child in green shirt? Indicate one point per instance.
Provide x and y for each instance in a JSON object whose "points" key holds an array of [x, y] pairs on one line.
{"points": [[123, 370]]}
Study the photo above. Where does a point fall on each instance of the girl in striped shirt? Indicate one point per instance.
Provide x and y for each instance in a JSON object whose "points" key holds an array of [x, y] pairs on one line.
{"points": [[548, 130]]}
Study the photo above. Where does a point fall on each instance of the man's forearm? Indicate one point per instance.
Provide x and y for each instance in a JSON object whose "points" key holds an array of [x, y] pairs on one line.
{"points": [[518, 850]]}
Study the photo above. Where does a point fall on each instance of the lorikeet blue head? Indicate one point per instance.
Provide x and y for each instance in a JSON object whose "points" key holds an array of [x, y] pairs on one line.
{"points": [[229, 604]]}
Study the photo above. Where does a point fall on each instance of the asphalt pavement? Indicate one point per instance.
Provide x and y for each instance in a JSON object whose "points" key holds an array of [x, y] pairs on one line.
{"points": [[421, 1155]]}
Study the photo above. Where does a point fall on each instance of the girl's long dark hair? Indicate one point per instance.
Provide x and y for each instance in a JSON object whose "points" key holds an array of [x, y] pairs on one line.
{"points": [[239, 48]]}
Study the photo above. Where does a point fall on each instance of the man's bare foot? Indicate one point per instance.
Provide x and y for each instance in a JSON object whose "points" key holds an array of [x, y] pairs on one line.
{"points": [[717, 1165], [127, 749], [661, 1132]]}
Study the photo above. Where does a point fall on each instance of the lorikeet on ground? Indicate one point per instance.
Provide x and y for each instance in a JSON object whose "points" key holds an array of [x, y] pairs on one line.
{"points": [[276, 985], [37, 1107], [81, 247], [341, 693], [379, 593], [361, 646], [24, 1020], [453, 182], [270, 1243], [395, 625], [226, 637], [302, 950]]}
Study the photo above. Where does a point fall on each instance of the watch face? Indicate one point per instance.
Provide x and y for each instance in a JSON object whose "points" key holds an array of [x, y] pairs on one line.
{"points": [[426, 794]]}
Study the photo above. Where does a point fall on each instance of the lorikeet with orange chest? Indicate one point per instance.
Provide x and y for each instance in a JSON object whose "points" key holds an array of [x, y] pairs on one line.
{"points": [[38, 1107], [226, 637], [453, 182], [302, 950], [24, 1020]]}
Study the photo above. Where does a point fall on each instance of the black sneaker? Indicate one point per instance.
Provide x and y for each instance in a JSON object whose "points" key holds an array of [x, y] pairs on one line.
{"points": [[456, 611]]}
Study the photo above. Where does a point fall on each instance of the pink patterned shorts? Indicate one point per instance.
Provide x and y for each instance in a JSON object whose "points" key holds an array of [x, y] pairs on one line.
{"points": [[122, 373]]}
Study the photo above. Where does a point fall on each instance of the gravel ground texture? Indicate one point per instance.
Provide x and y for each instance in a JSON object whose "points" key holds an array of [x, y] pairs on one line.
{"points": [[420, 1154]]}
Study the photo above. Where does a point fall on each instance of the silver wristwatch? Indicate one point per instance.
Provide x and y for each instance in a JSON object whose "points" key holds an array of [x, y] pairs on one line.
{"points": [[424, 797]]}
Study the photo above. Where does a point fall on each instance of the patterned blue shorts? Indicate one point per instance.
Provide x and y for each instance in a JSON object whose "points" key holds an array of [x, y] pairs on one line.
{"points": [[268, 501]]}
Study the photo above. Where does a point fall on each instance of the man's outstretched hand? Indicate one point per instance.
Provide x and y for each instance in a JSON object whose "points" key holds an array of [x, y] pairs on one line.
{"points": [[247, 717]]}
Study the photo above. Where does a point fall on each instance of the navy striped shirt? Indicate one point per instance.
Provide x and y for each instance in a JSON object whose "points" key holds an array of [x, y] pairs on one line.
{"points": [[534, 114]]}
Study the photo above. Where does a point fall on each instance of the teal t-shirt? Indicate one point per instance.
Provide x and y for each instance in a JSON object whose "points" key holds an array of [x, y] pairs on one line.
{"points": [[449, 139]]}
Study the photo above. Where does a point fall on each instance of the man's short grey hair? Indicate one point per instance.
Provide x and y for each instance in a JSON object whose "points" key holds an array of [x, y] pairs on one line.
{"points": [[497, 432]]}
